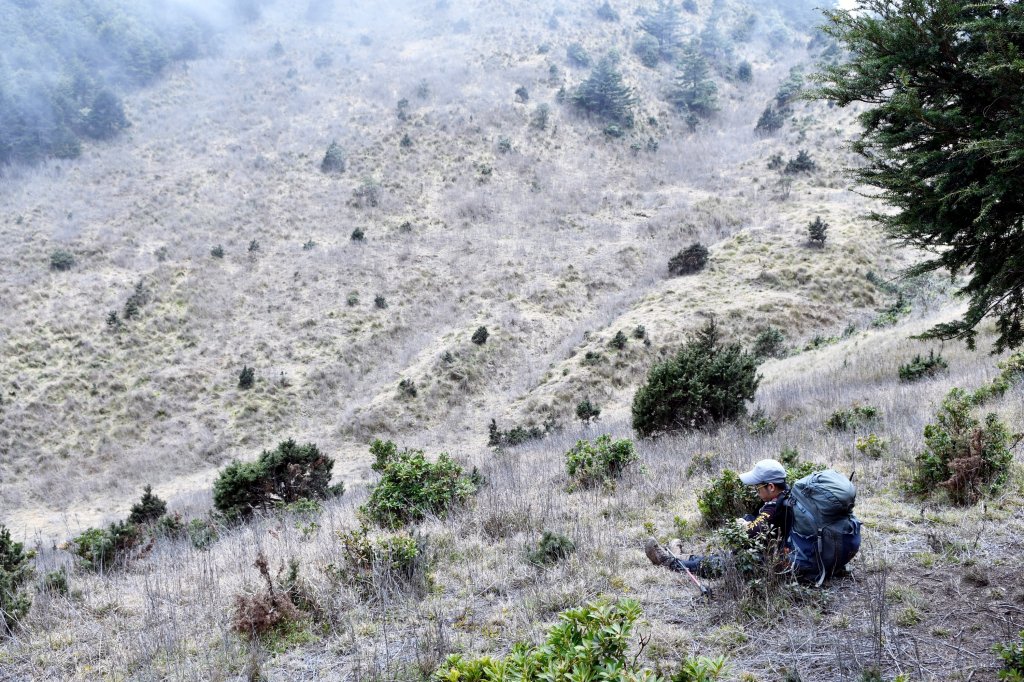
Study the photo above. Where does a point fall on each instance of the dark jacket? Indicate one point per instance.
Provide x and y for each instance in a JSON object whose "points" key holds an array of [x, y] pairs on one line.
{"points": [[774, 520]]}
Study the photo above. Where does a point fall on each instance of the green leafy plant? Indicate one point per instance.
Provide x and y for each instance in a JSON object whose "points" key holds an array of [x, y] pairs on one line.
{"points": [[599, 462], [280, 476], [552, 548], [103, 549], [1012, 656], [871, 446], [54, 583], [967, 457], [595, 637], [378, 565], [606, 12], [1011, 372], [407, 387], [358, 235], [201, 533], [15, 572], [217, 251], [411, 487], [701, 669], [480, 336], [854, 417], [688, 261], [148, 509], [619, 341], [705, 383], [726, 499], [923, 368], [517, 435]]}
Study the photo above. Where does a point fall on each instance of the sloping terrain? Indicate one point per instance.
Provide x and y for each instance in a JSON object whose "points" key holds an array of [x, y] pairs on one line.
{"points": [[554, 238], [554, 245]]}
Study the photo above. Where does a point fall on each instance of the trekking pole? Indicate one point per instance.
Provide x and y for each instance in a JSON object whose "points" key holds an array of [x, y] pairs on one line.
{"points": [[704, 590]]}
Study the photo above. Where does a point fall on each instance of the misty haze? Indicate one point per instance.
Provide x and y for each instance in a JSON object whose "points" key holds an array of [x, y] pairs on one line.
{"points": [[308, 306]]}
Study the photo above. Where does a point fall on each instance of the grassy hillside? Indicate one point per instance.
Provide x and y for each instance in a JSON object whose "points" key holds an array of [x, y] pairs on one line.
{"points": [[554, 238], [563, 237]]}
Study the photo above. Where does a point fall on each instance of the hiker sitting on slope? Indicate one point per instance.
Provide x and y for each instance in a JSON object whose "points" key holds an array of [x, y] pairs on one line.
{"points": [[773, 522]]}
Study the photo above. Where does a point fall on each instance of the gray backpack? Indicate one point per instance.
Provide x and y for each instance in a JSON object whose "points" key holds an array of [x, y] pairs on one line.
{"points": [[825, 534]]}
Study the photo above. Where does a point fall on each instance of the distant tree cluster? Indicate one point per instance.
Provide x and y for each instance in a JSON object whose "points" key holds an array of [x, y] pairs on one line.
{"points": [[65, 63]]}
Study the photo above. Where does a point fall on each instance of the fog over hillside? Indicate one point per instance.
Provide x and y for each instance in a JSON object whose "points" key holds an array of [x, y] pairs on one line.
{"points": [[227, 224], [474, 213]]}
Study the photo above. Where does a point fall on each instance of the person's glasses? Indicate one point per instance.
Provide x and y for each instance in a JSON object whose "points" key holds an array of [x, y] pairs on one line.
{"points": [[759, 486]]}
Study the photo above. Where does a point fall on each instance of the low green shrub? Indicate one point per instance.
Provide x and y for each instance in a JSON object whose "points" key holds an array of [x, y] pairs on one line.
{"points": [[705, 383], [55, 583], [923, 368], [577, 55], [857, 415], [817, 231], [619, 341], [407, 387], [587, 411], [594, 638], [726, 498], [1011, 654], [1011, 372], [872, 446], [518, 434], [480, 336], [552, 548], [61, 260], [599, 462], [246, 377], [761, 424], [701, 669], [280, 476], [217, 251], [769, 343], [103, 549], [801, 163], [688, 261], [148, 509], [201, 533], [334, 159], [411, 487], [373, 566], [15, 572], [963, 455]]}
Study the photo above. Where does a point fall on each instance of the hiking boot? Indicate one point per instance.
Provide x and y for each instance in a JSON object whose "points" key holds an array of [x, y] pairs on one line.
{"points": [[675, 545], [656, 553]]}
